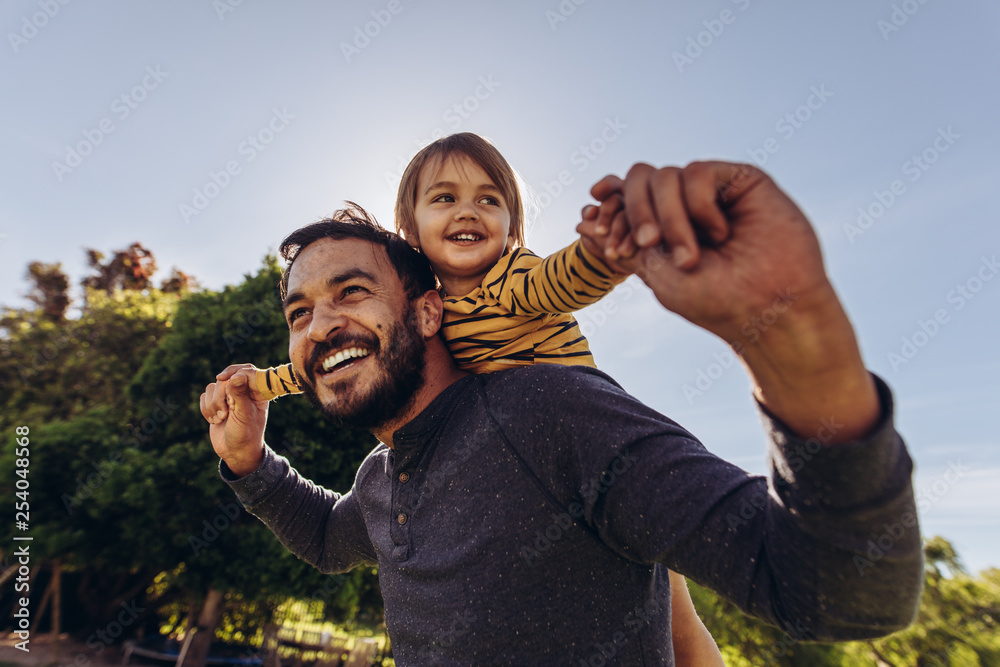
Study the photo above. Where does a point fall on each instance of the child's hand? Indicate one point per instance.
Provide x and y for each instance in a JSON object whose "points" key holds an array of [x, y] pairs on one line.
{"points": [[609, 219], [595, 240], [216, 412], [237, 420]]}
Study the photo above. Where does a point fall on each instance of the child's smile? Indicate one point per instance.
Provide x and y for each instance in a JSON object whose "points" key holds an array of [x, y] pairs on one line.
{"points": [[463, 222]]}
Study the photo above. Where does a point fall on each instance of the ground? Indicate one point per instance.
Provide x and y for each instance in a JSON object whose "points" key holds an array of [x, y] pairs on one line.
{"points": [[42, 652]]}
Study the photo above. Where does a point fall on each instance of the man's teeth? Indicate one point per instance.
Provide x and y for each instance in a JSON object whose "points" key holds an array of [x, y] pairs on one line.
{"points": [[342, 356], [466, 237]]}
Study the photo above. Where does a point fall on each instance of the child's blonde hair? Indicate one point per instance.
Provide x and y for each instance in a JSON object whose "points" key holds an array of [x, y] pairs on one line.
{"points": [[479, 151]]}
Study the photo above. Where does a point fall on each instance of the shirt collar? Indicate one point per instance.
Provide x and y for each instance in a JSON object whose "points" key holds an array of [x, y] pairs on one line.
{"points": [[422, 427]]}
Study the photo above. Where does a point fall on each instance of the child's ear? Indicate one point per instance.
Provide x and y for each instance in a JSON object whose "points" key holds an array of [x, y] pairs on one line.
{"points": [[510, 242], [410, 238]]}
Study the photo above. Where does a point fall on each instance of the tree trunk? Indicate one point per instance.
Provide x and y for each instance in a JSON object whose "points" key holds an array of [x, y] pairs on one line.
{"points": [[42, 606], [199, 639], [56, 620]]}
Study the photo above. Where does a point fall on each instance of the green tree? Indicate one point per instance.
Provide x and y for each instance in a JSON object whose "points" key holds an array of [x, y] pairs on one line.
{"points": [[65, 381], [957, 625], [959, 618], [128, 269], [125, 485], [49, 290], [187, 511]]}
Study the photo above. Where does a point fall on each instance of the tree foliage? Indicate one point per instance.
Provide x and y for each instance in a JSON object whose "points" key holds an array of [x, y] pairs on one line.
{"points": [[49, 290], [125, 490], [128, 269], [958, 624]]}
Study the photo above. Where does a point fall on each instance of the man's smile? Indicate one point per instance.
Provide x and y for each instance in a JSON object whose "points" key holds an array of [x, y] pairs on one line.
{"points": [[338, 360]]}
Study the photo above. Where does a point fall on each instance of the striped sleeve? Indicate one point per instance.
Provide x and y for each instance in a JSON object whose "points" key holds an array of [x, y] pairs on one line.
{"points": [[271, 383], [563, 282]]}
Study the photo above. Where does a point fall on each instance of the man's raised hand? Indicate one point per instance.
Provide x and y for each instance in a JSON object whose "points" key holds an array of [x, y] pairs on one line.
{"points": [[236, 420], [721, 245]]}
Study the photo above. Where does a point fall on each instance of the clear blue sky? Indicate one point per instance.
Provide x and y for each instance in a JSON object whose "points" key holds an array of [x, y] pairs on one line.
{"points": [[887, 107]]}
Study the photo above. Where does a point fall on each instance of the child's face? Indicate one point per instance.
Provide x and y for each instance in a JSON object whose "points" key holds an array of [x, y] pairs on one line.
{"points": [[463, 222]]}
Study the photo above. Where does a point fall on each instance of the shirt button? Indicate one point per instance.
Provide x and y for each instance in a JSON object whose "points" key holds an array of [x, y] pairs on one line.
{"points": [[401, 518], [404, 477]]}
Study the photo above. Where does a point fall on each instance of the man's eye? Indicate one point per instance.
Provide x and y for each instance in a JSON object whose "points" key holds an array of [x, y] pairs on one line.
{"points": [[295, 314], [354, 289]]}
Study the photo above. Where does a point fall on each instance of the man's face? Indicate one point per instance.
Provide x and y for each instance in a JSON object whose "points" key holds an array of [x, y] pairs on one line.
{"points": [[353, 336]]}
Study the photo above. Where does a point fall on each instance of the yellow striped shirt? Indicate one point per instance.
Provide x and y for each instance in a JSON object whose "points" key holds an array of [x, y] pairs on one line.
{"points": [[519, 315]]}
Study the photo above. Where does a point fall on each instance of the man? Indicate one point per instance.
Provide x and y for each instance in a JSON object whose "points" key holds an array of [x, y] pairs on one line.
{"points": [[523, 517]]}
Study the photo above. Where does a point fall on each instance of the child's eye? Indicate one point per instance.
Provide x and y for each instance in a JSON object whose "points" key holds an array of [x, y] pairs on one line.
{"points": [[444, 198], [491, 201]]}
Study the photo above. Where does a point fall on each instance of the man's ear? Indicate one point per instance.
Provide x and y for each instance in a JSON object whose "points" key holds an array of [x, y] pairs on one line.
{"points": [[430, 311]]}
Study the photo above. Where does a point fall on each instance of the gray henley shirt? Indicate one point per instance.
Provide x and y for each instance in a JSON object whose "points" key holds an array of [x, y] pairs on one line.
{"points": [[525, 518]]}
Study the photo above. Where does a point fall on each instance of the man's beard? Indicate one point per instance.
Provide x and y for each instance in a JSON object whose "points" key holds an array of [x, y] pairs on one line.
{"points": [[399, 363]]}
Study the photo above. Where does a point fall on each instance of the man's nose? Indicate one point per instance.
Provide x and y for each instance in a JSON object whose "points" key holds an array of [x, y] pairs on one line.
{"points": [[326, 320]]}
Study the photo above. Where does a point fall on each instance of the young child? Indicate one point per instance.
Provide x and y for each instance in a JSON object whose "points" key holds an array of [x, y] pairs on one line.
{"points": [[459, 204]]}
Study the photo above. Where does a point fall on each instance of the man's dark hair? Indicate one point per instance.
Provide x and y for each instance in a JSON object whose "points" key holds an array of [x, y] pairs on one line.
{"points": [[354, 222]]}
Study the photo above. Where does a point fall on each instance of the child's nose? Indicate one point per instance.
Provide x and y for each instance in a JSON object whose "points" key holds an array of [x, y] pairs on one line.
{"points": [[466, 211]]}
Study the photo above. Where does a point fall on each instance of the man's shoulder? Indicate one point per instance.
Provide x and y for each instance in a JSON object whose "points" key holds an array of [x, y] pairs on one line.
{"points": [[546, 372], [549, 382], [375, 460]]}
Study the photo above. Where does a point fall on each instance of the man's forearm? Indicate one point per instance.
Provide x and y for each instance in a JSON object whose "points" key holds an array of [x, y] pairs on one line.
{"points": [[807, 369], [858, 540], [321, 527]]}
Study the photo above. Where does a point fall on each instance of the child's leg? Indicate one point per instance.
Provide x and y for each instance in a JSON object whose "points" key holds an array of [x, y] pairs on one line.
{"points": [[693, 645]]}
